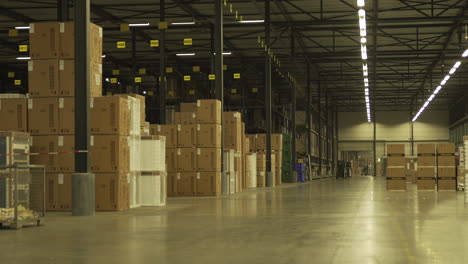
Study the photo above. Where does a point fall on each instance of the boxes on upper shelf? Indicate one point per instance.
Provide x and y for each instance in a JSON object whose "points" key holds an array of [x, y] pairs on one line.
{"points": [[66, 115], [209, 159], [426, 149], [110, 153], [395, 149], [185, 118], [14, 116], [43, 76], [209, 135], [169, 131], [446, 148], [187, 159], [110, 115], [67, 78], [43, 116], [209, 111], [112, 191], [186, 136]]}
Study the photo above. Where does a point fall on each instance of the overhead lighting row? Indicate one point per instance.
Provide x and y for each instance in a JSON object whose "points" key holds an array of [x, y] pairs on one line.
{"points": [[442, 84], [365, 69]]}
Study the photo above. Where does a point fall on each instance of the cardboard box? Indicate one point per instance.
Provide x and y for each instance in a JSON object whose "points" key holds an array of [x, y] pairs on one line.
{"points": [[209, 111], [45, 144], [66, 114], [208, 135], [44, 40], [169, 131], [396, 184], [276, 142], [186, 183], [110, 115], [112, 191], [208, 183], [261, 160], [278, 174], [187, 159], [66, 161], [396, 172], [426, 149], [252, 141], [188, 107], [142, 106], [43, 116], [209, 160], [395, 149], [446, 184], [110, 153], [446, 161], [426, 185], [171, 160], [260, 141], [246, 144], [446, 148], [233, 136], [58, 192], [172, 184], [396, 162], [14, 116], [186, 136], [67, 41], [43, 77], [261, 178], [67, 78], [426, 161], [185, 118], [426, 172], [446, 172]]}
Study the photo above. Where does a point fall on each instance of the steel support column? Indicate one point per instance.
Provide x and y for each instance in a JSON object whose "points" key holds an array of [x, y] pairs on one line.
{"points": [[309, 112], [134, 62], [268, 111], [293, 131], [319, 106], [162, 63], [63, 10], [83, 181], [375, 28], [219, 46]]}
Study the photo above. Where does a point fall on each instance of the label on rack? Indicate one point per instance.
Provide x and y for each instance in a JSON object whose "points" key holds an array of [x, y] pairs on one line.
{"points": [[60, 179], [31, 28], [61, 103], [30, 103], [62, 27], [30, 66], [198, 175], [61, 65], [91, 103], [91, 140], [198, 151], [179, 152], [60, 141], [198, 127]]}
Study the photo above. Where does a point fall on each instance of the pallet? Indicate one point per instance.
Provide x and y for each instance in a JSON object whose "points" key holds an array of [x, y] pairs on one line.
{"points": [[21, 223]]}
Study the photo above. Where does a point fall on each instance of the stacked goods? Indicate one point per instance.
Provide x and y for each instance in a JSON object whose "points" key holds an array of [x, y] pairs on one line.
{"points": [[426, 170], [446, 167], [228, 182], [410, 170], [251, 170], [261, 169], [465, 146], [396, 166], [51, 104], [232, 140], [153, 171], [461, 169], [258, 143]]}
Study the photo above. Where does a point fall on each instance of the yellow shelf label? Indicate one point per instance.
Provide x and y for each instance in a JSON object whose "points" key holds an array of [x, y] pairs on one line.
{"points": [[138, 79], [171, 93], [109, 93], [211, 77], [163, 25], [196, 68], [113, 80], [142, 71], [255, 90], [169, 70], [187, 78], [17, 82], [225, 67], [154, 43], [237, 76], [11, 75], [300, 161], [150, 93], [234, 91], [188, 42], [121, 44], [192, 92], [124, 27], [115, 72], [13, 33], [23, 48]]}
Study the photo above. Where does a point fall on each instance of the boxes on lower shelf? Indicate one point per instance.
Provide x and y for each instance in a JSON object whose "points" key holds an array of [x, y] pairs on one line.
{"points": [[194, 184], [112, 191], [396, 184], [428, 184]]}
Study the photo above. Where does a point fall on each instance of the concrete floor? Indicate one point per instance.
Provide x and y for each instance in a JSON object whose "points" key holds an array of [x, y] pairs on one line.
{"points": [[326, 221]]}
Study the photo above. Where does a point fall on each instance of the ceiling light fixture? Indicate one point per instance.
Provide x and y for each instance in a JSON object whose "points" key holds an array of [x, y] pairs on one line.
{"points": [[183, 23], [139, 25], [185, 54], [23, 27], [363, 40], [23, 58], [252, 21]]}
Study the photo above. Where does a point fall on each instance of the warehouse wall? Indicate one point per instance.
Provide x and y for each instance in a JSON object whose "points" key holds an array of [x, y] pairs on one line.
{"points": [[355, 134]]}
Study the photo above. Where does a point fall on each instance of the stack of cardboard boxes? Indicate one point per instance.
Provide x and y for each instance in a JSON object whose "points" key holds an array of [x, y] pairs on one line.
{"points": [[258, 145], [461, 169], [233, 140], [446, 167], [396, 167], [426, 170]]}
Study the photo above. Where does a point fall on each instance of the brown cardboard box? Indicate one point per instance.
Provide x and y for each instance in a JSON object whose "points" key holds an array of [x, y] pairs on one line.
{"points": [[446, 148], [187, 159], [395, 149], [426, 172], [110, 153], [66, 161], [142, 106], [246, 144], [446, 172], [186, 185], [169, 131], [208, 135], [426, 185], [260, 141], [67, 41], [396, 172], [278, 175], [426, 149], [45, 144], [426, 161], [276, 142], [208, 183], [232, 118], [396, 162], [446, 161], [172, 184], [446, 184], [171, 159], [43, 116], [66, 114], [261, 178], [261, 160], [44, 40], [233, 136], [112, 191], [186, 136], [188, 107], [13, 113], [209, 111], [396, 185], [110, 115], [209, 160], [58, 192], [186, 118], [43, 77], [67, 78], [252, 141]]}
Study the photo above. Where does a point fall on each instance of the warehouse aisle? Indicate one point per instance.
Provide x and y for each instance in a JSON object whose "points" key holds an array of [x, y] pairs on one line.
{"points": [[327, 221]]}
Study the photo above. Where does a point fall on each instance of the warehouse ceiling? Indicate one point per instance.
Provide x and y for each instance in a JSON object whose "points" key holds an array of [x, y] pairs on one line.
{"points": [[411, 44]]}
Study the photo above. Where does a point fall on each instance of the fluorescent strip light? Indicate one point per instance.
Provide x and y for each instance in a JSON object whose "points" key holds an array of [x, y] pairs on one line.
{"points": [[430, 98], [185, 54], [139, 25], [426, 104], [363, 32], [183, 23], [361, 3], [465, 54], [457, 64], [443, 82], [363, 40], [362, 14], [103, 56], [25, 27], [437, 89], [224, 53], [252, 21], [366, 82], [23, 58]]}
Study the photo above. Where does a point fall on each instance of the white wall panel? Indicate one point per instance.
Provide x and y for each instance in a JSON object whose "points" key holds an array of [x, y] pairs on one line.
{"points": [[393, 125], [432, 125], [354, 126]]}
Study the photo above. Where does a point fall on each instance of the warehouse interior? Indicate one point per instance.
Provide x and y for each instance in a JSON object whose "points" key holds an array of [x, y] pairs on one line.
{"points": [[250, 131]]}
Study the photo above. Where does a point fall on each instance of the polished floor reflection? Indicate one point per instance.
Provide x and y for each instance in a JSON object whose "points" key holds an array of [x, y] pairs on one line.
{"points": [[326, 221]]}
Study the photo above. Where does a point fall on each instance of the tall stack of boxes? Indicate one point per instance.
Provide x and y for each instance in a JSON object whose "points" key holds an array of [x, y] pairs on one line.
{"points": [[396, 167], [426, 170], [51, 103], [446, 167], [461, 168], [258, 145], [233, 134]]}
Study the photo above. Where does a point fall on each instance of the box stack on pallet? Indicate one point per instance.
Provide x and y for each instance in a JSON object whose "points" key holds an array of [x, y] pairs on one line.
{"points": [[251, 170], [461, 169], [152, 185], [396, 167], [426, 170], [194, 149], [233, 140], [446, 167], [258, 145]]}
